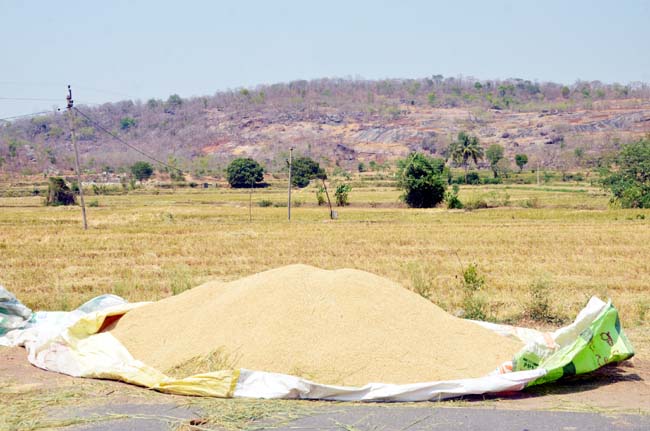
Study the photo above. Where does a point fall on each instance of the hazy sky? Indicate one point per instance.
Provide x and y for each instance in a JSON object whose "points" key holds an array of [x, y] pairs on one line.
{"points": [[113, 50]]}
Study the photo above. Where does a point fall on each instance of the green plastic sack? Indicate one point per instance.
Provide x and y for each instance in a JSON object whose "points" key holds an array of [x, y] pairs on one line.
{"points": [[602, 342]]}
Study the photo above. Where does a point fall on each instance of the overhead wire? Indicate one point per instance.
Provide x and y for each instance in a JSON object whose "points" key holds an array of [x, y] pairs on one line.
{"points": [[26, 115], [117, 138]]}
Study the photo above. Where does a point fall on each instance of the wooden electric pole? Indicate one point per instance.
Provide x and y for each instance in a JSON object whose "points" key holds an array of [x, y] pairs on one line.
{"points": [[290, 168], [76, 156]]}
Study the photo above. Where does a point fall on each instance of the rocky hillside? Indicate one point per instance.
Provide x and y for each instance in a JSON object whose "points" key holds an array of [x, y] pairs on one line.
{"points": [[339, 122]]}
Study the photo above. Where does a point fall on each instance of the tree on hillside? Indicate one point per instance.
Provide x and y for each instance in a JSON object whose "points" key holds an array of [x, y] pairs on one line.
{"points": [[423, 180], [521, 160], [629, 177], [465, 149], [494, 154], [303, 170], [142, 170], [244, 172]]}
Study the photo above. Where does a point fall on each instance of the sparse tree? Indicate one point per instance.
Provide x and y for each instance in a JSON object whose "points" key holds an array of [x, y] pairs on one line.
{"points": [[565, 92], [494, 154], [521, 160], [465, 149]]}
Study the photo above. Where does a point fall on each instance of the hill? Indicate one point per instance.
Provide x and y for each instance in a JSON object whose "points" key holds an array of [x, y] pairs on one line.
{"points": [[339, 122]]}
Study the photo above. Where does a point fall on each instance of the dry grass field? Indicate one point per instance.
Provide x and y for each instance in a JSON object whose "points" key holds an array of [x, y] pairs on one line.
{"points": [[149, 244]]}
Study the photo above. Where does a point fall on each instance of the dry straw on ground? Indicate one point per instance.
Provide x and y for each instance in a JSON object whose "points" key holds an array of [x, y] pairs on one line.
{"points": [[338, 327]]}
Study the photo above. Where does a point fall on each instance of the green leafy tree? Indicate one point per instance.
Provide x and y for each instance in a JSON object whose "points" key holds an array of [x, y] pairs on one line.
{"points": [[126, 123], [465, 149], [494, 154], [142, 170], [303, 170], [629, 177], [244, 172], [423, 180], [521, 160], [565, 92], [431, 98], [174, 101], [341, 194]]}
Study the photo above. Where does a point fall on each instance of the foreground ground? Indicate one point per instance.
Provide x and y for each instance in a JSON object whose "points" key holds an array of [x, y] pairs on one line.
{"points": [[563, 241], [616, 397]]}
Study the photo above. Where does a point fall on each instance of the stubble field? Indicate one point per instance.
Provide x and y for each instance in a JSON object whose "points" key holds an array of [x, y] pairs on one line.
{"points": [[561, 240]]}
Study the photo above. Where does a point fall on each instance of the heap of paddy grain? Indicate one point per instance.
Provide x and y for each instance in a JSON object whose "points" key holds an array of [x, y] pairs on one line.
{"points": [[345, 327]]}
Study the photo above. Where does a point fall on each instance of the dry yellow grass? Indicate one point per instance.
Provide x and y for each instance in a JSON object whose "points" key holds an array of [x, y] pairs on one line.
{"points": [[145, 246]]}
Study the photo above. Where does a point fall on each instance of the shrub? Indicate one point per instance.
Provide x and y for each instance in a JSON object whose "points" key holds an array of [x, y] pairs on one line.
{"points": [[244, 172], [265, 203], [58, 193], [474, 305], [421, 280], [475, 203], [423, 180], [320, 195], [94, 203], [341, 194], [453, 202], [538, 307], [472, 178]]}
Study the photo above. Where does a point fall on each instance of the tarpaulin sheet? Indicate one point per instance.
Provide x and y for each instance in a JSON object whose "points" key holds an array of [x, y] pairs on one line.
{"points": [[72, 343]]}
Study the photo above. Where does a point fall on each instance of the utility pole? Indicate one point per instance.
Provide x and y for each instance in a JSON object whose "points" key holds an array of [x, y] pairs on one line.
{"points": [[250, 200], [290, 168], [76, 156]]}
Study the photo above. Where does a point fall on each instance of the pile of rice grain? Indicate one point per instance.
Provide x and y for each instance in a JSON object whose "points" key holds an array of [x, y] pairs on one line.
{"points": [[345, 327]]}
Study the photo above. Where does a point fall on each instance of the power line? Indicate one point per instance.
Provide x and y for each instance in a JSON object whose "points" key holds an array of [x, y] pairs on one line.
{"points": [[30, 99], [114, 136], [26, 115]]}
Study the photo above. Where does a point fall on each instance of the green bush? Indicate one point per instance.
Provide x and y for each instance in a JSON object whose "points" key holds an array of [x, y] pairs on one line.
{"points": [[629, 179], [473, 178], [451, 197], [320, 195], [341, 194], [472, 283], [423, 180], [265, 203], [303, 170], [244, 173]]}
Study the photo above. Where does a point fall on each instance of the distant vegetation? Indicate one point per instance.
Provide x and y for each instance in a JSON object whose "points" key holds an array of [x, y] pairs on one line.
{"points": [[330, 121], [629, 176]]}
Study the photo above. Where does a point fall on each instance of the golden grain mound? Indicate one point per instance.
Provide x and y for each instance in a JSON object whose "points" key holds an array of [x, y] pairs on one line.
{"points": [[344, 327]]}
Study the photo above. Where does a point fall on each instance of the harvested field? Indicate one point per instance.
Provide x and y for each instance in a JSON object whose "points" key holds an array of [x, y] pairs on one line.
{"points": [[367, 328]]}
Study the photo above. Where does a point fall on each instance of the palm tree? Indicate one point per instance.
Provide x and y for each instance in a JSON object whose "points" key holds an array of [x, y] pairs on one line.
{"points": [[464, 149]]}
